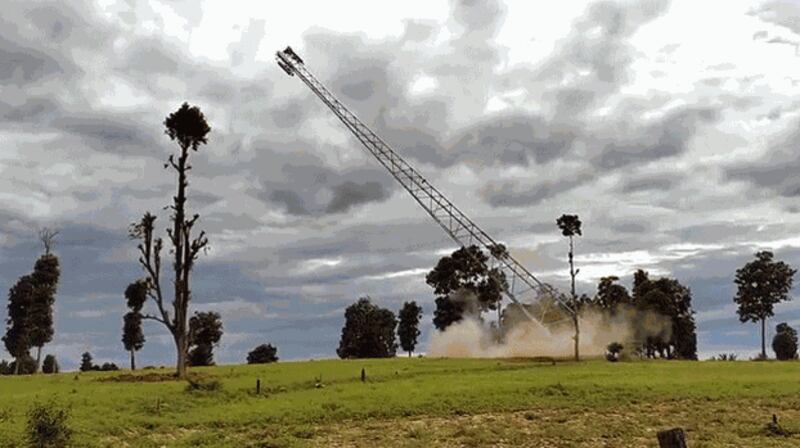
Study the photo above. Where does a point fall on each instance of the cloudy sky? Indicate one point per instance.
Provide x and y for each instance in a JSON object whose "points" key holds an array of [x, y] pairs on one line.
{"points": [[670, 128]]}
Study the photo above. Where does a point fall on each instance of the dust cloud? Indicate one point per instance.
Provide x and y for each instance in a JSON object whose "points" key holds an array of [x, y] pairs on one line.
{"points": [[473, 338]]}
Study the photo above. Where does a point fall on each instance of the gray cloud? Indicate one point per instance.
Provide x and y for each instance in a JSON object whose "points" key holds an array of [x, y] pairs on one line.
{"points": [[785, 13], [778, 167], [668, 136], [514, 194]]}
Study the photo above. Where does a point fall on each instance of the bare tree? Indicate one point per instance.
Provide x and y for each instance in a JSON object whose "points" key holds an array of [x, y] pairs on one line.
{"points": [[189, 128], [48, 238], [570, 226]]}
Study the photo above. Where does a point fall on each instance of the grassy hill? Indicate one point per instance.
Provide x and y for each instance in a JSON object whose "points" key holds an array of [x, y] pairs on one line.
{"points": [[420, 402]]}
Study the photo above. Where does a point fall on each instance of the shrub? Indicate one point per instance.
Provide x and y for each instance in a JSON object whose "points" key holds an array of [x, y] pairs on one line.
{"points": [[263, 354], [86, 362], [47, 426], [613, 351], [107, 367], [203, 385], [5, 368], [27, 365], [784, 344], [50, 365]]}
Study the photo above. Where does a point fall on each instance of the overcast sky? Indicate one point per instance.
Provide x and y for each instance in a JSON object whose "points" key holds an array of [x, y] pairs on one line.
{"points": [[670, 128]]}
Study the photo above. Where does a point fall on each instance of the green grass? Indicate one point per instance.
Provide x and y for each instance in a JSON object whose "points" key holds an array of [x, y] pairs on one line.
{"points": [[423, 402]]}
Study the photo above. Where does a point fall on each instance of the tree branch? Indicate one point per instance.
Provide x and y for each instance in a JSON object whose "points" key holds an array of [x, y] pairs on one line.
{"points": [[155, 318]]}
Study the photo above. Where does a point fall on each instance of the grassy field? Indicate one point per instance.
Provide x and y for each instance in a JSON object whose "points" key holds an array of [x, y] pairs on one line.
{"points": [[421, 402]]}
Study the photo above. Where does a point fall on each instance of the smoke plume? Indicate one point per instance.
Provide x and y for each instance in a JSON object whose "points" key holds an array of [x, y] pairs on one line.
{"points": [[473, 338]]}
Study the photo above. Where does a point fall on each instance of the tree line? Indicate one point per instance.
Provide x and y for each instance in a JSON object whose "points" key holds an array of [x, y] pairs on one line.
{"points": [[464, 283]]}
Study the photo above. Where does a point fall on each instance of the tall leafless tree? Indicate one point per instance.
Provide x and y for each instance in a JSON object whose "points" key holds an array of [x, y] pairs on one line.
{"points": [[570, 226], [188, 127]]}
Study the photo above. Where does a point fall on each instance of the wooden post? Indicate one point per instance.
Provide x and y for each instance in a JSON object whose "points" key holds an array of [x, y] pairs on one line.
{"points": [[363, 375], [258, 386], [672, 438]]}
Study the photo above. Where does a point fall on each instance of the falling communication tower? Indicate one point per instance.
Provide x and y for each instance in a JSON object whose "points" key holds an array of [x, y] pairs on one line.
{"points": [[521, 286]]}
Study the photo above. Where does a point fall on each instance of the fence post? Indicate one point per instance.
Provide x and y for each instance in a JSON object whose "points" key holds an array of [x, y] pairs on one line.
{"points": [[672, 438]]}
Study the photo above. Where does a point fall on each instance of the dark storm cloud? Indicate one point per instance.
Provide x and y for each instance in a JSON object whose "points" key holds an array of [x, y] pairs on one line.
{"points": [[649, 182], [110, 133], [514, 194], [629, 227], [666, 137], [349, 194], [777, 169], [304, 185], [514, 140], [22, 64], [35, 40]]}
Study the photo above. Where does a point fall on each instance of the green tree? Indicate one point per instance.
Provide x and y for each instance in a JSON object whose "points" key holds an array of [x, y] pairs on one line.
{"points": [[50, 365], [466, 269], [669, 298], [188, 127], [205, 331], [45, 276], [408, 328], [368, 331], [86, 362], [784, 344], [570, 226], [611, 295], [762, 283], [47, 426], [132, 336], [26, 363], [18, 328], [263, 354]]}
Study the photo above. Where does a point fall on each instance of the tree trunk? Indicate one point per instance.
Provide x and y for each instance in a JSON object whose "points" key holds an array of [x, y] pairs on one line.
{"points": [[180, 344], [38, 358], [409, 353], [763, 338], [133, 360], [16, 366], [181, 294], [672, 438], [577, 337], [574, 302]]}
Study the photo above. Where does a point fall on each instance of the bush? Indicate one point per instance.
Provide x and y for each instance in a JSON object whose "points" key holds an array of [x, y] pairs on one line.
{"points": [[725, 357], [5, 368], [49, 365], [47, 426], [264, 353], [784, 344], [86, 362], [203, 385], [107, 367], [613, 351], [27, 366]]}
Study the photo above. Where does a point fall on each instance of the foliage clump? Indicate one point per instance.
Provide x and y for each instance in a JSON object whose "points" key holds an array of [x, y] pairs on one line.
{"points": [[613, 351], [368, 331], [408, 329], [784, 344], [263, 354], [50, 365], [47, 426]]}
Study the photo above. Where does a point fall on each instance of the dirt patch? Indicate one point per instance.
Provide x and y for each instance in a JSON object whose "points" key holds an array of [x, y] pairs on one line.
{"points": [[732, 424], [150, 378]]}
